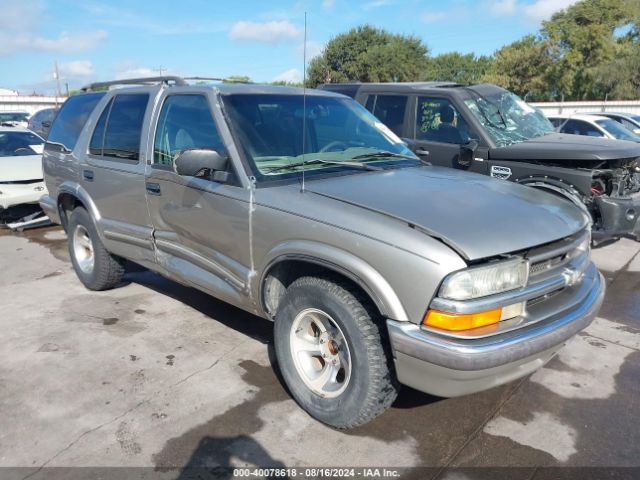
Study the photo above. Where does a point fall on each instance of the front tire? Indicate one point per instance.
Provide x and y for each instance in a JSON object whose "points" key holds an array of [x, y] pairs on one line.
{"points": [[332, 349], [96, 268]]}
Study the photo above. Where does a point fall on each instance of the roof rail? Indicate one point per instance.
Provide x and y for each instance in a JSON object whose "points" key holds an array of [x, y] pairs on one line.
{"points": [[135, 81]]}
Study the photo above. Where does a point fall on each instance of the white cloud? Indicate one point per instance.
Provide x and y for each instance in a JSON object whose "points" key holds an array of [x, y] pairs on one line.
{"points": [[503, 7], [19, 31], [265, 32], [290, 76], [328, 4], [133, 69], [432, 16], [313, 49], [543, 9], [376, 4], [76, 68]]}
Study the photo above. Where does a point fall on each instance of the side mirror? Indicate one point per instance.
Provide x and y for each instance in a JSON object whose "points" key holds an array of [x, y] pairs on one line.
{"points": [[195, 162], [467, 153]]}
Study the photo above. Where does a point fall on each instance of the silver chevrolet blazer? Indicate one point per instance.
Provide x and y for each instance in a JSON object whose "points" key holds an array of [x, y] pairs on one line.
{"points": [[376, 268]]}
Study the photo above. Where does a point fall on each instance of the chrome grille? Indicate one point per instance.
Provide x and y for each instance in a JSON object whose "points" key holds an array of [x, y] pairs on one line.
{"points": [[553, 259]]}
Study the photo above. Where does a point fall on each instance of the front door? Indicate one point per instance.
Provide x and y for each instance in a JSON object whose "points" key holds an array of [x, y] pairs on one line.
{"points": [[202, 232], [440, 130]]}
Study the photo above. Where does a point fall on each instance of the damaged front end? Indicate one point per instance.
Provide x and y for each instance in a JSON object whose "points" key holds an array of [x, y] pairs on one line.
{"points": [[19, 206], [614, 202]]}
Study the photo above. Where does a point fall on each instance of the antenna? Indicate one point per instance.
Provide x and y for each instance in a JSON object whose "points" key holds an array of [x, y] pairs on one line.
{"points": [[304, 95]]}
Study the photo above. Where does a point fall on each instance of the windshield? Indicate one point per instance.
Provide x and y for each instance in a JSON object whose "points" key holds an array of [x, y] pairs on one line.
{"points": [[336, 130], [13, 117], [18, 144], [507, 118], [617, 130]]}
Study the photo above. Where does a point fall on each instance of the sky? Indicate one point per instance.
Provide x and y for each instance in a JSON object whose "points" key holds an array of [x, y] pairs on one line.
{"points": [[97, 40]]}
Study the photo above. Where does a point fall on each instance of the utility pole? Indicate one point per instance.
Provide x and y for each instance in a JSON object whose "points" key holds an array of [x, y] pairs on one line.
{"points": [[56, 75], [160, 69]]}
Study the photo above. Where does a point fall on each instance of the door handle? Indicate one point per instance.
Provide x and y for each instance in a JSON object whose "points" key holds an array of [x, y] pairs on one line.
{"points": [[88, 175], [422, 151], [153, 188]]}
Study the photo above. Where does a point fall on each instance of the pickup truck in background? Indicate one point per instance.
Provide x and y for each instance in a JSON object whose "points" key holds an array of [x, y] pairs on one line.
{"points": [[489, 130]]}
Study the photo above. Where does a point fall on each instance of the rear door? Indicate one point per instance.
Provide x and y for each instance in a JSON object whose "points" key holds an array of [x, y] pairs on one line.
{"points": [[113, 175], [391, 109], [202, 231]]}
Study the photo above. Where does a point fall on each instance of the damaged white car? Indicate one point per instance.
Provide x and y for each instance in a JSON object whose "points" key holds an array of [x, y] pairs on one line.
{"points": [[21, 178]]}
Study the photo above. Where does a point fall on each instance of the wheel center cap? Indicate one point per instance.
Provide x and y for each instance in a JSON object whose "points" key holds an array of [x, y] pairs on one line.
{"points": [[328, 345]]}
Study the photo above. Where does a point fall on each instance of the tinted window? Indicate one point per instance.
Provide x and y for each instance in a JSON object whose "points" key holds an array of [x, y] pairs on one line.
{"points": [[18, 144], [438, 120], [556, 122], [390, 110], [74, 113], [578, 127], [124, 126], [617, 130], [185, 122], [97, 139]]}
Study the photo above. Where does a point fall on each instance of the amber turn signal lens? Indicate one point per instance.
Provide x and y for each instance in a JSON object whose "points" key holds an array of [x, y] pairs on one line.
{"points": [[457, 321]]}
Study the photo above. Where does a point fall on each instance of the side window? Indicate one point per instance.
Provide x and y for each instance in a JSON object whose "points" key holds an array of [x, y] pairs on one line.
{"points": [[185, 122], [628, 125], [390, 110], [97, 139], [556, 122], [72, 116], [437, 120], [578, 127], [371, 100], [124, 126], [572, 127]]}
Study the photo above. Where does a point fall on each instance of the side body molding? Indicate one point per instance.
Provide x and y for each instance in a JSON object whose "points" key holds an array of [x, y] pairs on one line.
{"points": [[342, 262]]}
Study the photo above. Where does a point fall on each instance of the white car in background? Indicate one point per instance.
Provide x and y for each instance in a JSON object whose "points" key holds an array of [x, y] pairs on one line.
{"points": [[592, 126], [21, 178], [14, 119]]}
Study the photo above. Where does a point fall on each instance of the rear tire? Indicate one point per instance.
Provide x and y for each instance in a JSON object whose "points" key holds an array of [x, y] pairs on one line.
{"points": [[96, 268], [333, 352]]}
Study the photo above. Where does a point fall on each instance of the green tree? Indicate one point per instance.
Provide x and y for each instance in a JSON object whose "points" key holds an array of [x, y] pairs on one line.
{"points": [[521, 67], [457, 67], [369, 54], [582, 39]]}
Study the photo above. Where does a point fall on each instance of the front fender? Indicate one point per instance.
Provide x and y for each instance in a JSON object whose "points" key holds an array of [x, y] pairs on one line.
{"points": [[341, 262]]}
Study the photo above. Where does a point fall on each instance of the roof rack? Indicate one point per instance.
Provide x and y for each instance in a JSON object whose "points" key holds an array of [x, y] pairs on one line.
{"points": [[135, 81]]}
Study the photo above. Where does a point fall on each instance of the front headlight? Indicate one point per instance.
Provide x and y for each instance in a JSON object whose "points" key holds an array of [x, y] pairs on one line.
{"points": [[485, 280]]}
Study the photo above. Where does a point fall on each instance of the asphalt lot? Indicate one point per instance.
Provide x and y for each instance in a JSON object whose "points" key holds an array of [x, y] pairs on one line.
{"points": [[155, 374]]}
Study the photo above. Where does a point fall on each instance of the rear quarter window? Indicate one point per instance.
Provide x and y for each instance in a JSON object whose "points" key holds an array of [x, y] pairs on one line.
{"points": [[71, 119]]}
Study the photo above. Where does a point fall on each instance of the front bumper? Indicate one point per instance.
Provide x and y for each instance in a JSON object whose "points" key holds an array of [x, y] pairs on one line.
{"points": [[619, 217], [450, 367], [13, 194]]}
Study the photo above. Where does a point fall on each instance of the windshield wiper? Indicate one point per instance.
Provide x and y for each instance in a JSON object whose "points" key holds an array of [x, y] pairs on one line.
{"points": [[488, 102], [384, 154], [316, 161]]}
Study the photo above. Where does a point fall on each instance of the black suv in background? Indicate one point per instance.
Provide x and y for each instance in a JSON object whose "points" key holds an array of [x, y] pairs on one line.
{"points": [[489, 130]]}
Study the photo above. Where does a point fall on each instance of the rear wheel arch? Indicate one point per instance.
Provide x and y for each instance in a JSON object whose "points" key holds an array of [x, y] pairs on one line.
{"points": [[72, 196]]}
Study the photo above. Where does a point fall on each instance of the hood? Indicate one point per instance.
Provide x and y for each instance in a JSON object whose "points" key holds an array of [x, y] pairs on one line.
{"points": [[477, 216], [17, 169], [562, 146]]}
